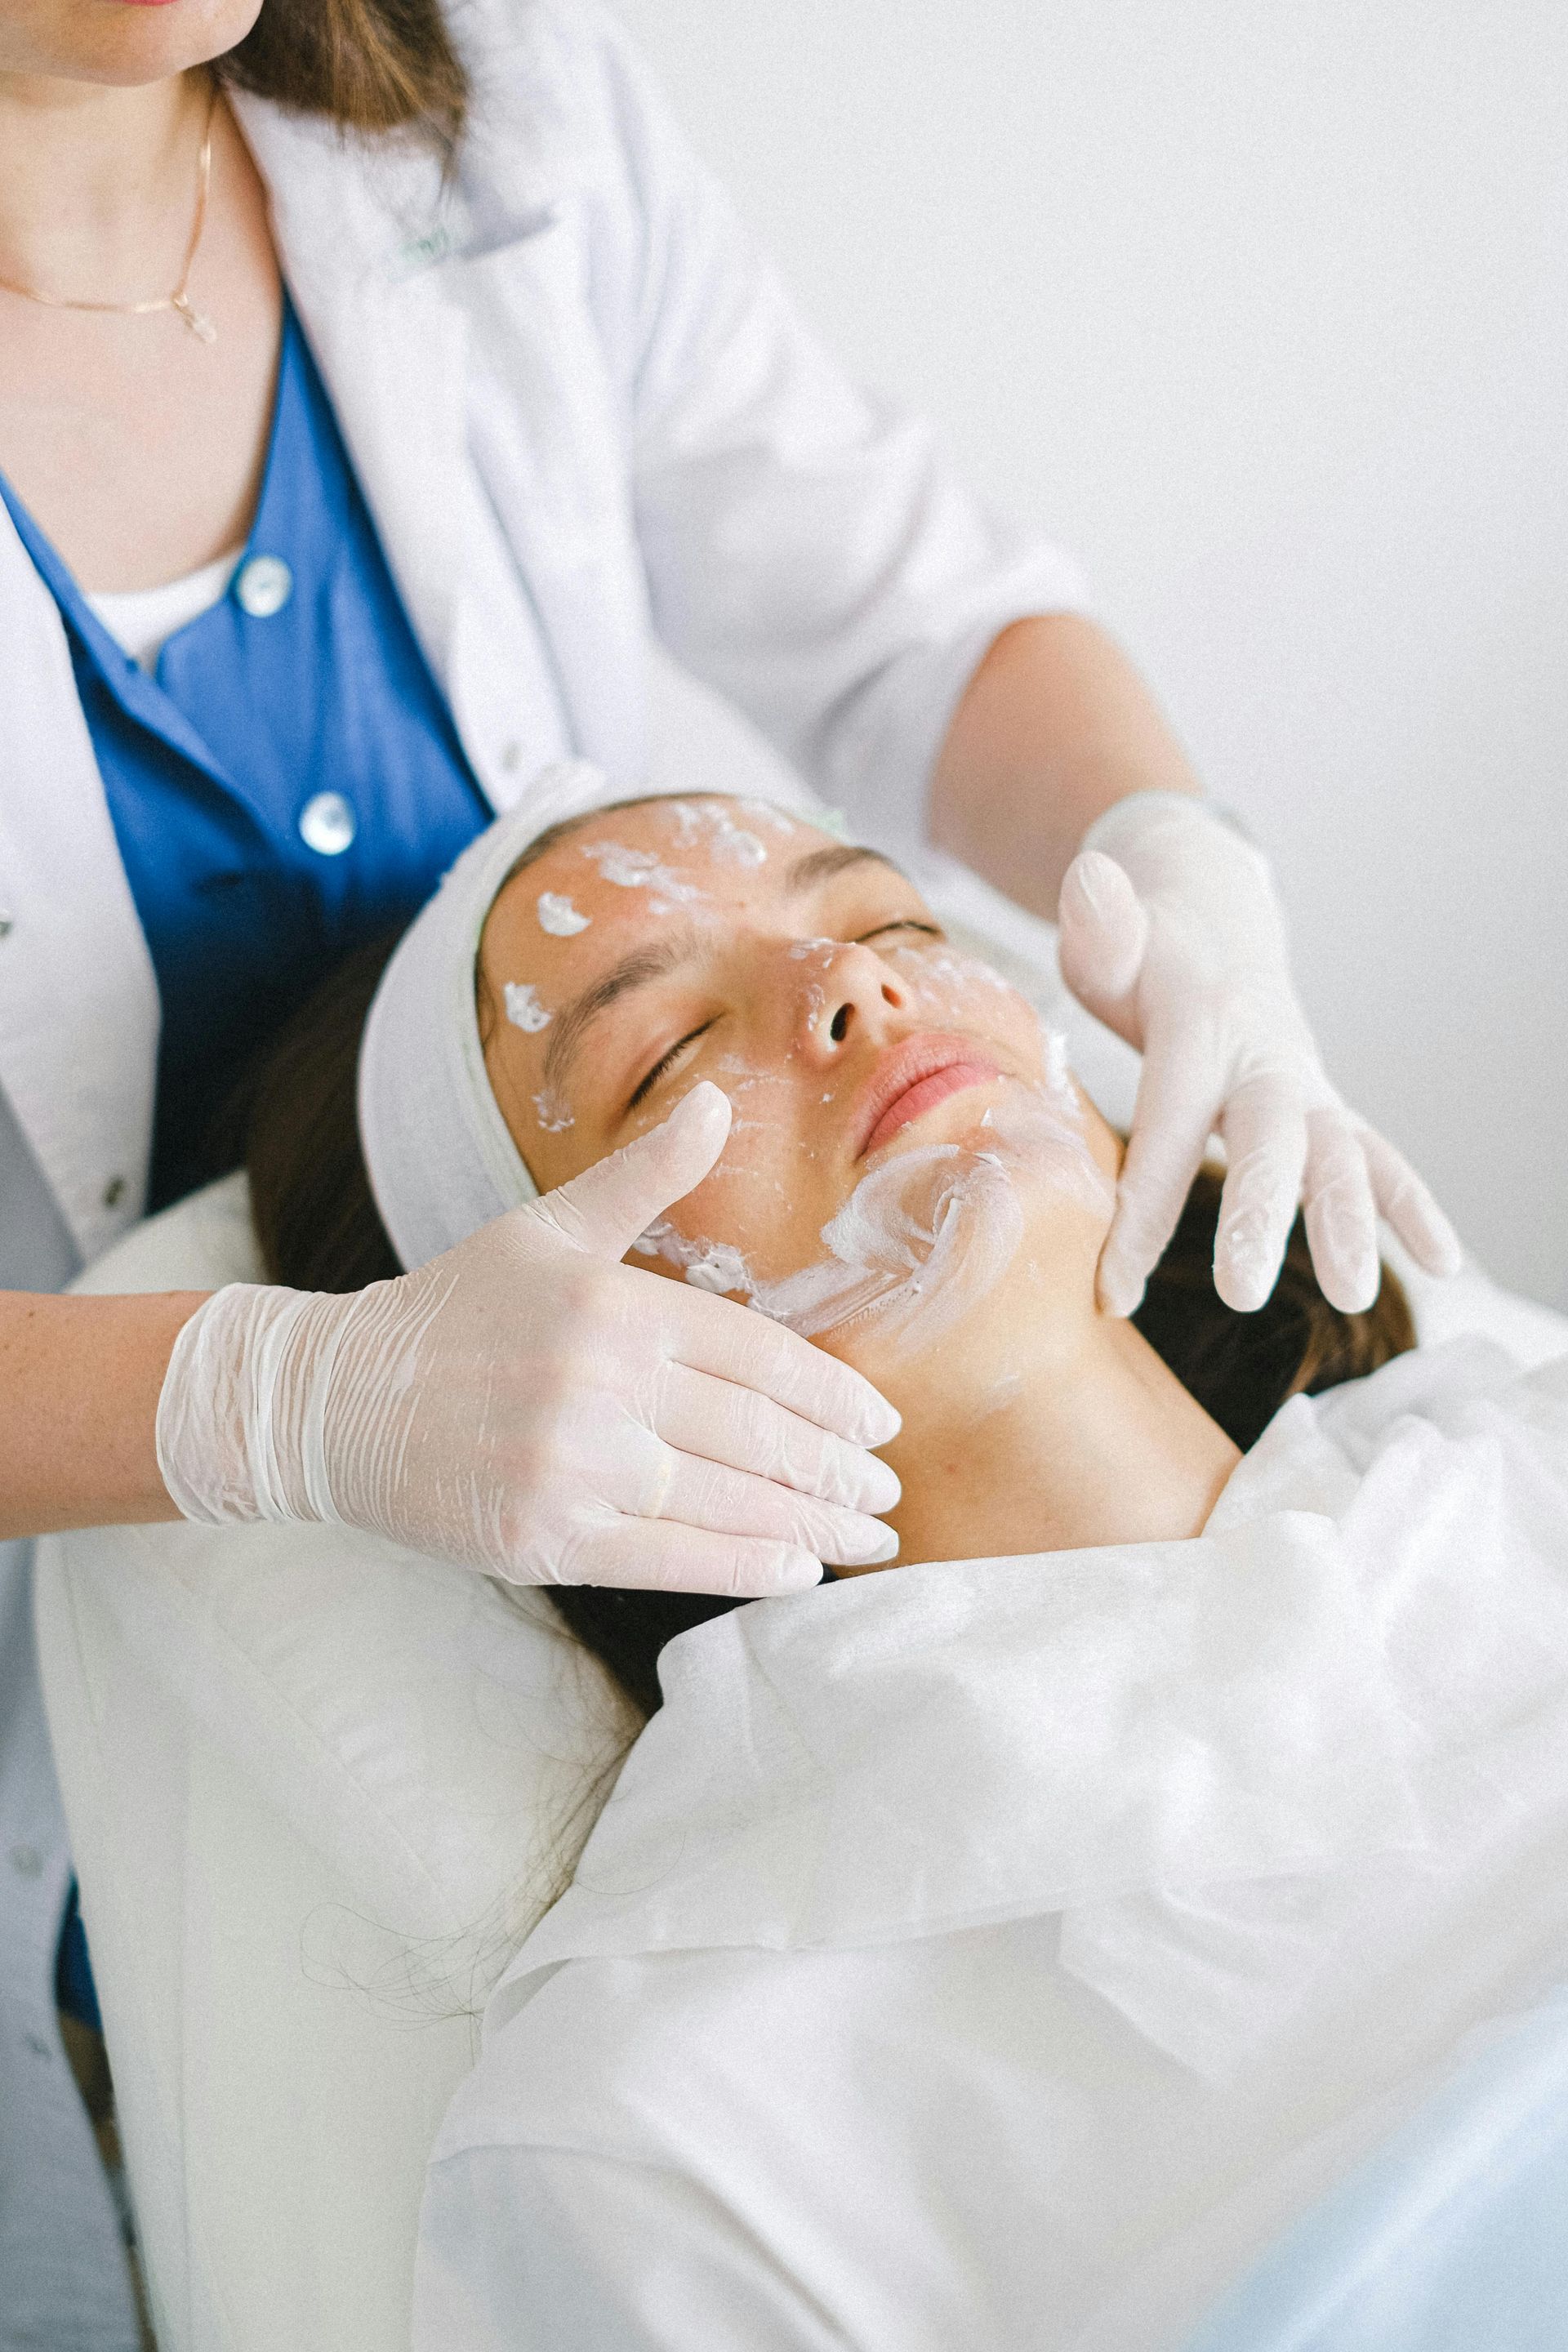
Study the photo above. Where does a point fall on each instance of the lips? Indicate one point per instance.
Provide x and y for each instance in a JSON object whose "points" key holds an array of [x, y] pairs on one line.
{"points": [[913, 1078]]}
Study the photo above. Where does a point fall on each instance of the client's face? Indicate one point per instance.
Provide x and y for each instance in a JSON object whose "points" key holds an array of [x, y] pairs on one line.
{"points": [[905, 1134]]}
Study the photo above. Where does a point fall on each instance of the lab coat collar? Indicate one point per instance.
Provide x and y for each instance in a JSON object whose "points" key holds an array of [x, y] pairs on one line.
{"points": [[346, 210], [958, 1744]]}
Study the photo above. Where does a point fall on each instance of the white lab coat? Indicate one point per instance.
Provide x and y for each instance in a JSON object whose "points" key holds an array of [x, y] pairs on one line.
{"points": [[1001, 1953], [583, 414]]}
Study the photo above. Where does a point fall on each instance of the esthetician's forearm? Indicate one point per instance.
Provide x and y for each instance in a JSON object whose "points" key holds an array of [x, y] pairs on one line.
{"points": [[79, 1380], [1055, 725]]}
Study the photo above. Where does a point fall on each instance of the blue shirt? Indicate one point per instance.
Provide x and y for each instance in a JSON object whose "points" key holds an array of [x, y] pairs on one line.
{"points": [[288, 785]]}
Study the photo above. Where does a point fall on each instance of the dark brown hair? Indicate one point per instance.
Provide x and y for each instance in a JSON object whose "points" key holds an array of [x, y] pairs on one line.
{"points": [[370, 65], [319, 1230]]}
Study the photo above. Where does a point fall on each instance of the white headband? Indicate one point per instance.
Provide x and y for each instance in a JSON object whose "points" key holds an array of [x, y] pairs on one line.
{"points": [[441, 1160]]}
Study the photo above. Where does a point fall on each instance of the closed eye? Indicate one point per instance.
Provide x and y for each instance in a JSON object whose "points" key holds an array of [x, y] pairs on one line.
{"points": [[668, 1060], [664, 1064]]}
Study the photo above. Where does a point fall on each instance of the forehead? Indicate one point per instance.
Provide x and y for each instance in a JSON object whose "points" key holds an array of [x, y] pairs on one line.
{"points": [[687, 856], [735, 838]]}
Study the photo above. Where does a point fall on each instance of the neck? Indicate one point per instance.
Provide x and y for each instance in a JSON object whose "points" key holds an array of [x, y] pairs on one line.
{"points": [[1063, 1440], [90, 173]]}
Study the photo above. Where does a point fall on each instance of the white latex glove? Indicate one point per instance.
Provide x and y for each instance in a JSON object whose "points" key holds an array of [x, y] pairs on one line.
{"points": [[528, 1405], [1171, 933]]}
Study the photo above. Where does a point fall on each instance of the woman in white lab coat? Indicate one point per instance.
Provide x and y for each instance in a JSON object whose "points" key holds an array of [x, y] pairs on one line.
{"points": [[459, 292]]}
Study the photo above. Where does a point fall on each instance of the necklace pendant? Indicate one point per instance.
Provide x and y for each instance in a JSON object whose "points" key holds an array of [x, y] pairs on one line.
{"points": [[200, 325]]}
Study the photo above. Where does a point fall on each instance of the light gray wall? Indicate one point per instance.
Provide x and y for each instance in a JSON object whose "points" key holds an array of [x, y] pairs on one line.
{"points": [[1260, 309]]}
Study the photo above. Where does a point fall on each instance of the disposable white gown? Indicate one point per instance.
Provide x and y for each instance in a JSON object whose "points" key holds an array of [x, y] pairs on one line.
{"points": [[1002, 1953]]}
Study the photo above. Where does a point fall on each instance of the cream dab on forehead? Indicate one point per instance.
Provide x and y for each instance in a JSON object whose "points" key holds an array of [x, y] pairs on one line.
{"points": [[638, 869], [559, 917], [523, 1009], [709, 824], [765, 812]]}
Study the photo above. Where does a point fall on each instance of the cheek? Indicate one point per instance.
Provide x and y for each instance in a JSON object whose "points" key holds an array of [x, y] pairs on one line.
{"points": [[764, 1198], [1106, 1145], [759, 1213], [950, 989], [541, 1123]]}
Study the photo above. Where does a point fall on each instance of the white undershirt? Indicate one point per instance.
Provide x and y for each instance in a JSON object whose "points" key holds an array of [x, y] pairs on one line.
{"points": [[143, 620]]}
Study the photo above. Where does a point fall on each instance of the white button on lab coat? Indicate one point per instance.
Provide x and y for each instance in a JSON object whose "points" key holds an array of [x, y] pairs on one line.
{"points": [[583, 414]]}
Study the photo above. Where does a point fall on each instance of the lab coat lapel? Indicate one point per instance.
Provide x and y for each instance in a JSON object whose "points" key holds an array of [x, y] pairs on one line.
{"points": [[79, 999], [443, 325], [391, 354], [551, 449]]}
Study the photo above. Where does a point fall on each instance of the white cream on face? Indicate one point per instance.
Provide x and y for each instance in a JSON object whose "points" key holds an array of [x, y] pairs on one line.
{"points": [[639, 870], [929, 1231], [777, 820], [708, 824], [523, 1009], [941, 977], [559, 917], [926, 1234], [552, 1112]]}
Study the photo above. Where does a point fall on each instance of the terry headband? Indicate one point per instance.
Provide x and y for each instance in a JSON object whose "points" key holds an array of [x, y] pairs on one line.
{"points": [[439, 1155]]}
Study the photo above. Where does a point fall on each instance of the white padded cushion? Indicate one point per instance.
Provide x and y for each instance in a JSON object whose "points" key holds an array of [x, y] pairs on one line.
{"points": [[317, 1791], [419, 1727]]}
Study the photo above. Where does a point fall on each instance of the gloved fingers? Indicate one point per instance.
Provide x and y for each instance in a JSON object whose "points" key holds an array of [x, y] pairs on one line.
{"points": [[745, 1431], [1409, 1207], [1102, 934], [657, 1556], [735, 1343], [1171, 1122], [1340, 1212], [707, 1495], [1264, 1132], [606, 1208]]}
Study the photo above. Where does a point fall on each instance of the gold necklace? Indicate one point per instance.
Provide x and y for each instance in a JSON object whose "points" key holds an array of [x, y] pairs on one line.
{"points": [[199, 324]]}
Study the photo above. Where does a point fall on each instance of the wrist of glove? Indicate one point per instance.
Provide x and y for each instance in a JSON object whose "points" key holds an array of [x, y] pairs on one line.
{"points": [[529, 1406], [1170, 932]]}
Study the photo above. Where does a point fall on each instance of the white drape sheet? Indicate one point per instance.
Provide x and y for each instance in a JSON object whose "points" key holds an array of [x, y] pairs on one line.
{"points": [[1002, 1953]]}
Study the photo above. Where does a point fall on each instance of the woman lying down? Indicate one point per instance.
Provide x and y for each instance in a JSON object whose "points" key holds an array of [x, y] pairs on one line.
{"points": [[1134, 1917]]}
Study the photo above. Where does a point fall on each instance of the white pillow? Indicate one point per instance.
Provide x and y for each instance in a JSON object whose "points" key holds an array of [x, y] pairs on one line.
{"points": [[422, 1729]]}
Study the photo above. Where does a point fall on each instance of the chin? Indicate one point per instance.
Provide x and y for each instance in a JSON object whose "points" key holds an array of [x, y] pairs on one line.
{"points": [[144, 41]]}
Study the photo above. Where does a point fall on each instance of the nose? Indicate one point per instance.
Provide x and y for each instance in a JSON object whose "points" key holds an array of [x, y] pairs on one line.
{"points": [[849, 992]]}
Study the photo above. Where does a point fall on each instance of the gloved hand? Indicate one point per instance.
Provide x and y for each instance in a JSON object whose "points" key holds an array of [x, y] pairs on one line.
{"points": [[1171, 933], [528, 1405]]}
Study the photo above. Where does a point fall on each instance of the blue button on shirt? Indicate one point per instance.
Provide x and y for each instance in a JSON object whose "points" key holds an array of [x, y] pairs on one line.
{"points": [[288, 785]]}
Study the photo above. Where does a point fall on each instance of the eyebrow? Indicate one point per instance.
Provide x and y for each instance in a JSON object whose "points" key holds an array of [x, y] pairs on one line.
{"points": [[822, 865], [635, 970], [665, 956]]}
